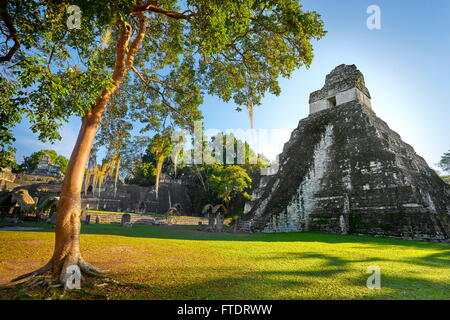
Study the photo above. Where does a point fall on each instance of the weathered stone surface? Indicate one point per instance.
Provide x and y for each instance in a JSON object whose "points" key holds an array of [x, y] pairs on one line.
{"points": [[344, 84], [47, 168], [126, 218], [345, 171], [137, 199], [107, 218], [219, 222], [211, 221], [130, 198], [7, 179]]}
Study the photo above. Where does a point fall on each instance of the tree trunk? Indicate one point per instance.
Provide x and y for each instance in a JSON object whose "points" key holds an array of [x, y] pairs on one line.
{"points": [[67, 234], [159, 165]]}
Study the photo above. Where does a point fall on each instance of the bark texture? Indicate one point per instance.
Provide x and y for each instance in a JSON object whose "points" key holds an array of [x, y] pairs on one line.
{"points": [[68, 224]]}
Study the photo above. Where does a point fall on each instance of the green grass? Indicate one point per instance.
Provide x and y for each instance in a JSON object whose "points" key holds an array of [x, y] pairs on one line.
{"points": [[135, 214], [180, 262]]}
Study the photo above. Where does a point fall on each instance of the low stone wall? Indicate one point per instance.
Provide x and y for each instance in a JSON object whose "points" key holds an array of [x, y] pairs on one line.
{"points": [[7, 176], [106, 218], [7, 180]]}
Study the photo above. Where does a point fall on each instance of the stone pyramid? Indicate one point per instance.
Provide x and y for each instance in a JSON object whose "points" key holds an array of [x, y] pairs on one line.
{"points": [[345, 171]]}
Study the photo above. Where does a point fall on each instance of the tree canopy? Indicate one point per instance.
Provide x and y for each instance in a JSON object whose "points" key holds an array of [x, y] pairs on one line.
{"points": [[228, 181], [161, 147], [156, 59], [232, 49], [444, 164]]}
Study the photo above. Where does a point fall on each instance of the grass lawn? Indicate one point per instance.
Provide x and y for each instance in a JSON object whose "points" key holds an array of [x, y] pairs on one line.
{"points": [[179, 262]]}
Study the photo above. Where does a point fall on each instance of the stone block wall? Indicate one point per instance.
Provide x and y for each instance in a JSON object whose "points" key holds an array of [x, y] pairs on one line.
{"points": [[107, 218]]}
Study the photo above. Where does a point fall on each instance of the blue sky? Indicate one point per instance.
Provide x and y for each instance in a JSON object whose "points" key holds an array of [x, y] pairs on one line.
{"points": [[406, 65]]}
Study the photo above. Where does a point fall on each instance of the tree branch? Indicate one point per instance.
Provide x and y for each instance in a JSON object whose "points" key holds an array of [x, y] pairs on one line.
{"points": [[152, 6], [125, 53], [153, 88], [120, 69], [142, 26], [122, 52], [12, 32], [164, 101]]}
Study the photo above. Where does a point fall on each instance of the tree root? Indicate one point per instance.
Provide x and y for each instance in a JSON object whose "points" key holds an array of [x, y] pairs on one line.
{"points": [[124, 284], [41, 271], [47, 277], [46, 283], [48, 287], [90, 270]]}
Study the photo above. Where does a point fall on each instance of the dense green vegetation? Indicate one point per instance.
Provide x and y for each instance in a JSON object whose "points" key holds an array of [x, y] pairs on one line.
{"points": [[183, 263], [219, 178], [30, 163], [116, 62], [444, 163]]}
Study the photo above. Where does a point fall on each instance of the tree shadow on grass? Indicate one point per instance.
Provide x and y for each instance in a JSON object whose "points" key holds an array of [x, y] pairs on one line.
{"points": [[327, 280], [434, 260], [285, 285], [329, 265], [438, 260], [322, 273], [197, 233], [406, 287], [271, 285], [244, 286], [328, 260], [332, 265]]}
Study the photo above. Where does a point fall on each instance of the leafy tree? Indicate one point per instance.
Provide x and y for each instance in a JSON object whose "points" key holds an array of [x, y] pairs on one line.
{"points": [[62, 162], [160, 147], [143, 164], [30, 163], [227, 181], [163, 55], [132, 156], [8, 118], [141, 174], [446, 179], [444, 164], [204, 188], [114, 130], [9, 161]]}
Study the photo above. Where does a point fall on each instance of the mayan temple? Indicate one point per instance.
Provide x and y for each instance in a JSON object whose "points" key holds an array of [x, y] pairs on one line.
{"points": [[345, 171]]}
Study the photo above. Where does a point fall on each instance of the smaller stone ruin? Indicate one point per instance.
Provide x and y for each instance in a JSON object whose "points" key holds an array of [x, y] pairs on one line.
{"points": [[126, 220], [173, 211], [47, 168], [344, 84], [216, 217], [15, 205]]}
